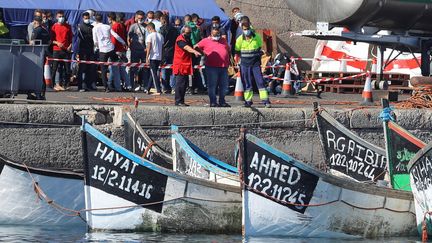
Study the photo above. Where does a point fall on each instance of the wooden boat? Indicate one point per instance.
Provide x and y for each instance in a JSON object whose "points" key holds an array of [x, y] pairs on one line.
{"points": [[420, 169], [39, 197], [188, 159], [125, 192], [285, 197], [137, 141], [401, 146], [346, 153]]}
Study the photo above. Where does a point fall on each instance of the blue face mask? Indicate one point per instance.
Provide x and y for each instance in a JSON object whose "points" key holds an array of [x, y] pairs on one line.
{"points": [[247, 32]]}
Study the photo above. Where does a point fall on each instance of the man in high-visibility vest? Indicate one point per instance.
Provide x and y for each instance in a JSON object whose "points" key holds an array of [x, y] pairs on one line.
{"points": [[248, 51]]}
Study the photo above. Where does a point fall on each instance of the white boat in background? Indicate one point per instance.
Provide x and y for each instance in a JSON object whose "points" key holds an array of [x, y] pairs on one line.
{"points": [[346, 154], [190, 160], [39, 197], [125, 192], [285, 197], [137, 141]]}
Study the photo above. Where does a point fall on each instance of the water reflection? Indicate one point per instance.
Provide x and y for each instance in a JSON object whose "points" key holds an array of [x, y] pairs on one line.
{"points": [[80, 235]]}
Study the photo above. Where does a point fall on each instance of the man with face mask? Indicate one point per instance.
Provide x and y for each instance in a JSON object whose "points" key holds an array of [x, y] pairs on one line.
{"points": [[182, 64], [154, 44], [215, 23], [170, 35], [85, 51], [136, 43], [248, 49], [217, 51], [102, 41], [61, 37], [37, 14]]}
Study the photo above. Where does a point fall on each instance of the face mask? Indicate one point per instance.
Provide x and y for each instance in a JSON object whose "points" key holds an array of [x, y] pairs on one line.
{"points": [[61, 20], [247, 32], [86, 21], [45, 21], [187, 35], [216, 26], [216, 38], [140, 21]]}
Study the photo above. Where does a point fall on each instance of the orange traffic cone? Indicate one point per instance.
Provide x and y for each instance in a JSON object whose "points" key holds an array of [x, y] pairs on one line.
{"points": [[367, 91], [287, 82], [239, 90], [47, 76]]}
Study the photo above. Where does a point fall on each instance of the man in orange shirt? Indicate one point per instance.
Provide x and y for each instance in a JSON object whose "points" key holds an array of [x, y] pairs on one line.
{"points": [[61, 37]]}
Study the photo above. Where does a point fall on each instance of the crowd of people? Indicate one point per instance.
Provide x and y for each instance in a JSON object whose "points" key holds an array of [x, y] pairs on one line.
{"points": [[158, 41]]}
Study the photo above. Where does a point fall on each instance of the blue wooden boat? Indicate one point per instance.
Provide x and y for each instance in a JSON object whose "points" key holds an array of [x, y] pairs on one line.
{"points": [[140, 143], [125, 192], [285, 197], [188, 159]]}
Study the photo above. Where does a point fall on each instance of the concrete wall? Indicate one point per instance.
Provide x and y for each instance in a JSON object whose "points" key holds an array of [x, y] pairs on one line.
{"points": [[53, 137], [275, 15]]}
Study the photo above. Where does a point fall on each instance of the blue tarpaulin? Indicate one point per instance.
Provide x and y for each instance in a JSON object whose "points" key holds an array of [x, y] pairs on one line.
{"points": [[18, 13]]}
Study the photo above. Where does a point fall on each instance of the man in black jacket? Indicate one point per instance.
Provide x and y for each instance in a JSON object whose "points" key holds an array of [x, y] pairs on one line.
{"points": [[85, 52], [170, 35]]}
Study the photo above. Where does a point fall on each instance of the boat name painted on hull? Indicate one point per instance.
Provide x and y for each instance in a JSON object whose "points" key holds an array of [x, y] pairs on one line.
{"points": [[421, 172], [350, 157], [114, 158], [188, 166], [111, 171], [278, 179]]}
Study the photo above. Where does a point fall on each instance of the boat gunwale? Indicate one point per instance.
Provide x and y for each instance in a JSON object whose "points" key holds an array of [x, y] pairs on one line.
{"points": [[50, 172]]}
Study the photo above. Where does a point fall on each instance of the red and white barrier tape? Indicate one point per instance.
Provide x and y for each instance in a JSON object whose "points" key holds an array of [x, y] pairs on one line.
{"points": [[168, 66], [321, 80], [120, 64]]}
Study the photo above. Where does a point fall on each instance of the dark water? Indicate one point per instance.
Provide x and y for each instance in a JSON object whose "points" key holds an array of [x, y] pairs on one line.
{"points": [[53, 234]]}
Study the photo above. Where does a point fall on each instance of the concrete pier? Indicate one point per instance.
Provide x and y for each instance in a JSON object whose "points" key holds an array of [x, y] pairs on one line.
{"points": [[49, 135]]}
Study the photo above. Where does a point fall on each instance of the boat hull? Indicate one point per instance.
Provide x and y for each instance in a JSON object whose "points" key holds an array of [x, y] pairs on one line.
{"points": [[189, 160], [420, 168], [125, 192], [315, 204], [20, 205]]}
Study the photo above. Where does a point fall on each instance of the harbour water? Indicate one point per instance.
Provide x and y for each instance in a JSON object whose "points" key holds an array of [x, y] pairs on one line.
{"points": [[58, 234]]}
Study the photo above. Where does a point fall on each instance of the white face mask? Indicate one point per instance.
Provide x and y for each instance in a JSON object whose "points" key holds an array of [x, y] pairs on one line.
{"points": [[216, 38], [61, 20], [86, 21]]}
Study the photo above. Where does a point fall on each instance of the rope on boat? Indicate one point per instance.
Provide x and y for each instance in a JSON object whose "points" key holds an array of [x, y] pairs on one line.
{"points": [[424, 227], [249, 188], [319, 204], [41, 195], [148, 147]]}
